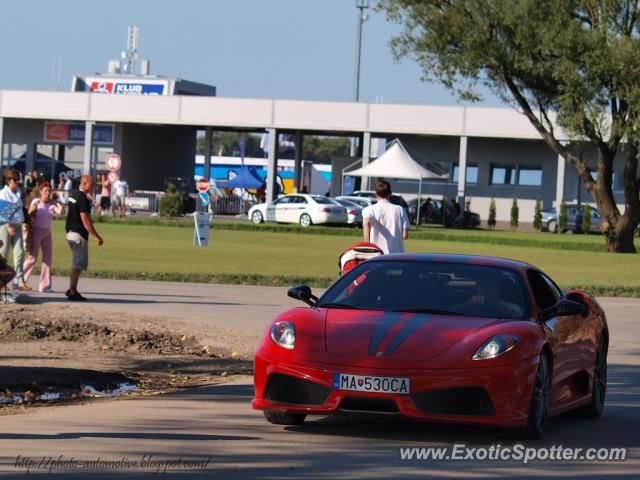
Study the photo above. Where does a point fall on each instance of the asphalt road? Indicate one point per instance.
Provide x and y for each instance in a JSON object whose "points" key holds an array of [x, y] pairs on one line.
{"points": [[217, 424]]}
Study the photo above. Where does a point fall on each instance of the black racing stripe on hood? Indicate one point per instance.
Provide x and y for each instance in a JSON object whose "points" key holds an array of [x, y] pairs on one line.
{"points": [[412, 325], [386, 322]]}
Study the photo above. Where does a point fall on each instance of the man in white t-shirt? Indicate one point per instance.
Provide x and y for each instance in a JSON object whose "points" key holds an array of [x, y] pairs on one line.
{"points": [[385, 224], [121, 191]]}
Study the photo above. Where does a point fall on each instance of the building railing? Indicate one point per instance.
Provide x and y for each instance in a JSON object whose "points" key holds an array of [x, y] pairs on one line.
{"points": [[144, 201], [230, 205], [149, 201]]}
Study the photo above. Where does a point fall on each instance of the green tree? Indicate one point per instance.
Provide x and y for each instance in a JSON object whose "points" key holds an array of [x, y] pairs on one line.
{"points": [[562, 218], [321, 149], [537, 215], [467, 212], [171, 202], [228, 144], [491, 221], [515, 213], [586, 218], [573, 61]]}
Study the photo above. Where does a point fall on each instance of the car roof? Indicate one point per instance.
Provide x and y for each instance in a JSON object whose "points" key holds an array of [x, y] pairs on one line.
{"points": [[348, 200], [457, 258], [355, 197], [305, 195]]}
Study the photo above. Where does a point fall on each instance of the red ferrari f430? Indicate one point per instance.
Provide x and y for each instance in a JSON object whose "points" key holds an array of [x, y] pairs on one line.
{"points": [[447, 338]]}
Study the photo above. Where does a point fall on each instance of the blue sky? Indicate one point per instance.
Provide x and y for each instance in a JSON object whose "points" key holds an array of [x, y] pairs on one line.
{"points": [[294, 49]]}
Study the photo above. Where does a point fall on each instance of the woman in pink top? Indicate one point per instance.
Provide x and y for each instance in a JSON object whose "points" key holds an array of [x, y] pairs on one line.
{"points": [[42, 210]]}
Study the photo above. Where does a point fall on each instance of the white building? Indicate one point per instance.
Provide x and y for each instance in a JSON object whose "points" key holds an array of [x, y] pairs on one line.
{"points": [[495, 149]]}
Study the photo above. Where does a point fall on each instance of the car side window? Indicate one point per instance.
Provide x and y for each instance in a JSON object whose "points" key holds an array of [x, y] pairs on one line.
{"points": [[544, 294], [554, 288], [300, 200], [283, 201]]}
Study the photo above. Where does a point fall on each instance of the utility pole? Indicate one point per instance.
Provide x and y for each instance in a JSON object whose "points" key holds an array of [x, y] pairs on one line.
{"points": [[361, 5]]}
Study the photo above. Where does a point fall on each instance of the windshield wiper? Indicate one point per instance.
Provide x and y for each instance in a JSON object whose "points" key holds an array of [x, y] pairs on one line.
{"points": [[426, 310], [338, 305]]}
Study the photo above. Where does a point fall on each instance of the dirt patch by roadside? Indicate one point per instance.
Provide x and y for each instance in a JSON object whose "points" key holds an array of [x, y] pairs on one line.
{"points": [[57, 353], [24, 324]]}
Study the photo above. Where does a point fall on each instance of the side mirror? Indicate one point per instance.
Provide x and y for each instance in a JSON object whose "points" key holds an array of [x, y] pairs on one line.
{"points": [[563, 308], [303, 292]]}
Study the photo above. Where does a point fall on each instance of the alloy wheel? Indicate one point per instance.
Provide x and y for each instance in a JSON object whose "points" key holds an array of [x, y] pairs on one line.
{"points": [[305, 220], [256, 217]]}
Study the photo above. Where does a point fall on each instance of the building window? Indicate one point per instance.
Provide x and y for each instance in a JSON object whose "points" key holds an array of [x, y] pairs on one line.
{"points": [[530, 177], [503, 175], [516, 175], [472, 174], [617, 179]]}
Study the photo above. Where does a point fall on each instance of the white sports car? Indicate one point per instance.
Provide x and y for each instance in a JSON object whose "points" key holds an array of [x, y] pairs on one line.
{"points": [[299, 208]]}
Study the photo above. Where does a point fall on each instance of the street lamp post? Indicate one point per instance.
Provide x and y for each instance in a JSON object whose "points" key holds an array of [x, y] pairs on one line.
{"points": [[361, 5]]}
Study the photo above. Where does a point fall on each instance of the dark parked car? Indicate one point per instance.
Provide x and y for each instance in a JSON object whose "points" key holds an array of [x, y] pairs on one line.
{"points": [[186, 187], [574, 220], [431, 212], [368, 194]]}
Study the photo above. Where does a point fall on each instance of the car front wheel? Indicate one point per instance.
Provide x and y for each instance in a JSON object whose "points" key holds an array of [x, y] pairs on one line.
{"points": [[305, 220], [539, 406], [595, 407], [256, 217]]}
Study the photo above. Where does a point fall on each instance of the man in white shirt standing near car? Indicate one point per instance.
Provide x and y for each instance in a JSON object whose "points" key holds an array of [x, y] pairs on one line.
{"points": [[121, 191], [385, 224]]}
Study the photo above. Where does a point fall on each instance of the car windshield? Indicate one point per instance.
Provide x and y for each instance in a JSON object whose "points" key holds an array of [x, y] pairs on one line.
{"points": [[347, 203], [362, 203], [323, 200], [431, 287]]}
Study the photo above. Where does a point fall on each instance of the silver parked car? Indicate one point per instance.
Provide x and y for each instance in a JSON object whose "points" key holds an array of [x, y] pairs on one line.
{"points": [[574, 220], [354, 211]]}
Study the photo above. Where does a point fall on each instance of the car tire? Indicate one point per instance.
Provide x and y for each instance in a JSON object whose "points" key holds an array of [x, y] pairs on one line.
{"points": [[539, 406], [256, 217], [594, 408], [305, 220], [552, 226], [284, 418]]}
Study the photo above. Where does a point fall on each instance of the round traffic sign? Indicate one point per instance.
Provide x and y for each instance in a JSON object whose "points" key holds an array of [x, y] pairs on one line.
{"points": [[113, 162], [113, 177], [202, 185], [204, 198]]}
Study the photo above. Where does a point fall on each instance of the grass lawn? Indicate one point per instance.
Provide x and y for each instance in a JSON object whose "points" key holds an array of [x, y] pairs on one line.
{"points": [[591, 243], [166, 252]]}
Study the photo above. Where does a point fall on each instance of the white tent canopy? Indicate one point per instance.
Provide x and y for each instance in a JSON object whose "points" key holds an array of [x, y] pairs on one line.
{"points": [[395, 163]]}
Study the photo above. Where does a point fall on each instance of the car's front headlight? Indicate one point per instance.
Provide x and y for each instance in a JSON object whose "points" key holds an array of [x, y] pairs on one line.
{"points": [[283, 334], [496, 346]]}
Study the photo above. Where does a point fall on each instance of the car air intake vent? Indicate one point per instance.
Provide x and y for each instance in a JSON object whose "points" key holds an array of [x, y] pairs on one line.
{"points": [[373, 405], [286, 389], [468, 401]]}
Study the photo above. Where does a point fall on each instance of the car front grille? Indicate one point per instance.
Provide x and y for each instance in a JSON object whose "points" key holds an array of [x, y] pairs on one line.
{"points": [[368, 404], [467, 401], [287, 389]]}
